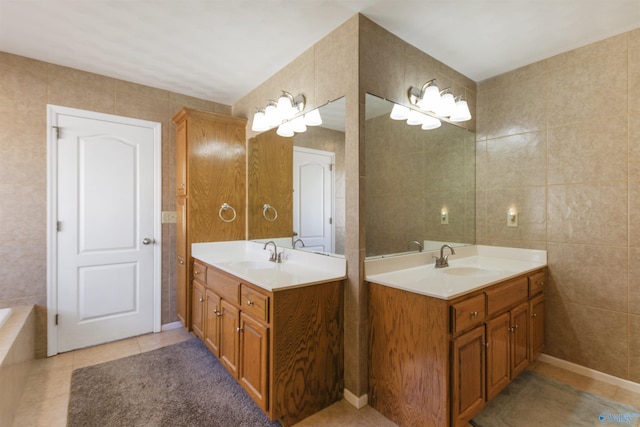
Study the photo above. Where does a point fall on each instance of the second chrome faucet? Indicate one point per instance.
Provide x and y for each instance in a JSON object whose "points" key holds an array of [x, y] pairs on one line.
{"points": [[443, 261], [275, 255]]}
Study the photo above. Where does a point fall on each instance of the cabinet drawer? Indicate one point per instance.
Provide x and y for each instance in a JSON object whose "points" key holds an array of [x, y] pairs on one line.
{"points": [[536, 283], [467, 313], [228, 287], [254, 303], [199, 272], [505, 296]]}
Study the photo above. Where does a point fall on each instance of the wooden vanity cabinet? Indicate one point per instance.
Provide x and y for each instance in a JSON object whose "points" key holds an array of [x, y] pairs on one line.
{"points": [[210, 171], [267, 339], [438, 362]]}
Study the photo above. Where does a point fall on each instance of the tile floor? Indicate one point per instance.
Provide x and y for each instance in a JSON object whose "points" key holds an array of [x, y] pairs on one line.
{"points": [[46, 395]]}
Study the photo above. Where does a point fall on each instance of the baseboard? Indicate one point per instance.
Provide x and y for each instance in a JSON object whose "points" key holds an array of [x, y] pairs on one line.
{"points": [[355, 401], [590, 373], [172, 325]]}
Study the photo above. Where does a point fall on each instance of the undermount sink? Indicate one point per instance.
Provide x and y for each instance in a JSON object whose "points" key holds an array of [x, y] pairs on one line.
{"points": [[468, 271]]}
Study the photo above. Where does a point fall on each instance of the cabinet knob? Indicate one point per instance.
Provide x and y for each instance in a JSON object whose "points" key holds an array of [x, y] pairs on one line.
{"points": [[541, 284], [474, 314], [201, 300], [196, 272], [181, 262], [239, 330], [486, 345], [534, 315], [249, 303]]}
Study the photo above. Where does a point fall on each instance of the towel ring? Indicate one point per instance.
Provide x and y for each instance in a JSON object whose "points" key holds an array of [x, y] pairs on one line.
{"points": [[225, 207], [266, 208]]}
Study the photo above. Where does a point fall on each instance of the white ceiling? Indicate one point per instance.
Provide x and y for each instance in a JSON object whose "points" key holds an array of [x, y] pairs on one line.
{"points": [[221, 50]]}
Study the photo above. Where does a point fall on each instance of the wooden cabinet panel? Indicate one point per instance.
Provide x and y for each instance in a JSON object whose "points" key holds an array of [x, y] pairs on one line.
{"points": [[536, 283], [181, 159], [197, 309], [212, 322], [252, 369], [520, 339], [199, 272], [182, 266], [468, 313], [536, 327], [254, 303], [227, 286], [229, 332], [181, 292], [504, 296], [468, 375], [498, 354]]}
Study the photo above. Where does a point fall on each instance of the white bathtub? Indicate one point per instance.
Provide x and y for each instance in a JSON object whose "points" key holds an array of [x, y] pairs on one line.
{"points": [[17, 336], [4, 315]]}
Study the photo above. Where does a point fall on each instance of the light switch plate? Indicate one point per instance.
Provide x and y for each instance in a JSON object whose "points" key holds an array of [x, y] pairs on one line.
{"points": [[169, 217]]}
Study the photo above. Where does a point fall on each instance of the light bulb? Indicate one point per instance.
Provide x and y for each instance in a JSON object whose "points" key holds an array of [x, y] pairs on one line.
{"points": [[285, 106], [298, 124], [430, 101], [272, 115], [430, 123], [415, 118], [447, 105], [461, 113], [259, 122], [285, 129]]}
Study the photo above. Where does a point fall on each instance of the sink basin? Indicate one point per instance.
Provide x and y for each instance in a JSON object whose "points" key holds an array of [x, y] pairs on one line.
{"points": [[255, 265], [468, 271]]}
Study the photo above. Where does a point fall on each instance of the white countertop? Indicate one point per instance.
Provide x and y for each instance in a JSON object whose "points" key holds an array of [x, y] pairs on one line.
{"points": [[471, 268], [249, 261]]}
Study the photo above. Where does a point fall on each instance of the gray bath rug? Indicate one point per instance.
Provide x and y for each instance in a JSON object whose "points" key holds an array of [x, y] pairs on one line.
{"points": [[535, 400], [179, 385]]}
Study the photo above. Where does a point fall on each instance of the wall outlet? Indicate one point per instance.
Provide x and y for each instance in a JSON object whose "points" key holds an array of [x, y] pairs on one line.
{"points": [[169, 217]]}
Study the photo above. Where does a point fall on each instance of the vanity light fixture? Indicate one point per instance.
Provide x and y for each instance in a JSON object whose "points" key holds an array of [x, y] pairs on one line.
{"points": [[275, 113], [414, 117], [312, 118], [399, 112], [440, 102]]}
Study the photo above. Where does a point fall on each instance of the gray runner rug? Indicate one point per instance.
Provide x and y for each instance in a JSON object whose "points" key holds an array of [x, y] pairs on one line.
{"points": [[533, 399], [179, 385]]}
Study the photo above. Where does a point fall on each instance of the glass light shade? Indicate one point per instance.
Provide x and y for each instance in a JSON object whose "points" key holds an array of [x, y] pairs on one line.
{"points": [[285, 107], [430, 123], [415, 118], [461, 113], [447, 105], [399, 112], [430, 101], [312, 118], [272, 115], [285, 129], [298, 124], [259, 122]]}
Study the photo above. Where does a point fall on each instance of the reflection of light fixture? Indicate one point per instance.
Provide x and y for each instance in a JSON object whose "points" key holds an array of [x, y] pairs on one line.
{"points": [[461, 111], [275, 113], [415, 118], [298, 124], [399, 112], [430, 123], [285, 129], [312, 118], [442, 103]]}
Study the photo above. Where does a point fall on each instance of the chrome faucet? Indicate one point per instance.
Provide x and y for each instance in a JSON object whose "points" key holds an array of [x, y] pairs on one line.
{"points": [[417, 243], [443, 261], [275, 256], [296, 241]]}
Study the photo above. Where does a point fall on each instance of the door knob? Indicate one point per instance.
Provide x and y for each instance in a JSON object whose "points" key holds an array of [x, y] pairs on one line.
{"points": [[147, 241]]}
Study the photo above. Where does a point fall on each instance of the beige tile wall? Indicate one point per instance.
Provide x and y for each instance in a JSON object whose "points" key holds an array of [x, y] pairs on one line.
{"points": [[560, 140], [26, 87]]}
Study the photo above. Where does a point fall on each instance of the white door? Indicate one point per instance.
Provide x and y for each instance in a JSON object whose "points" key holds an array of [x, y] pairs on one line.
{"points": [[313, 198], [107, 228]]}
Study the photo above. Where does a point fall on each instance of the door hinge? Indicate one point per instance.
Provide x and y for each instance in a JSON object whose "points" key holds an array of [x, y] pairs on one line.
{"points": [[58, 226], [57, 319], [331, 166], [330, 220], [57, 130]]}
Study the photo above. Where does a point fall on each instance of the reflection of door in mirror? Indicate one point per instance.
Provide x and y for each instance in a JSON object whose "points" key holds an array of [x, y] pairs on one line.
{"points": [[270, 182], [313, 198]]}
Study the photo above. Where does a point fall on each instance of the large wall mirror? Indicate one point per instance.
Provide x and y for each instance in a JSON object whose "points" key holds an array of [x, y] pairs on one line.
{"points": [[296, 185], [420, 184]]}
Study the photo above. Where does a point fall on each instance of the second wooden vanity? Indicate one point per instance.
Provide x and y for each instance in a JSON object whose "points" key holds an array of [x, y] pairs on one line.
{"points": [[437, 362], [284, 346]]}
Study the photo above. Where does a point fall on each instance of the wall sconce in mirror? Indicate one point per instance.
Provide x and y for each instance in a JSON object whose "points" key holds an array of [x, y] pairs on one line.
{"points": [[285, 114], [442, 103], [414, 117]]}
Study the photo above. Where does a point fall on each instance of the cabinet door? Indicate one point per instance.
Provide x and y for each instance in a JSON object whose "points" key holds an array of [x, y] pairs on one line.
{"points": [[182, 270], [519, 339], [498, 352], [229, 331], [536, 327], [212, 322], [468, 375], [252, 369], [197, 309], [181, 159]]}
